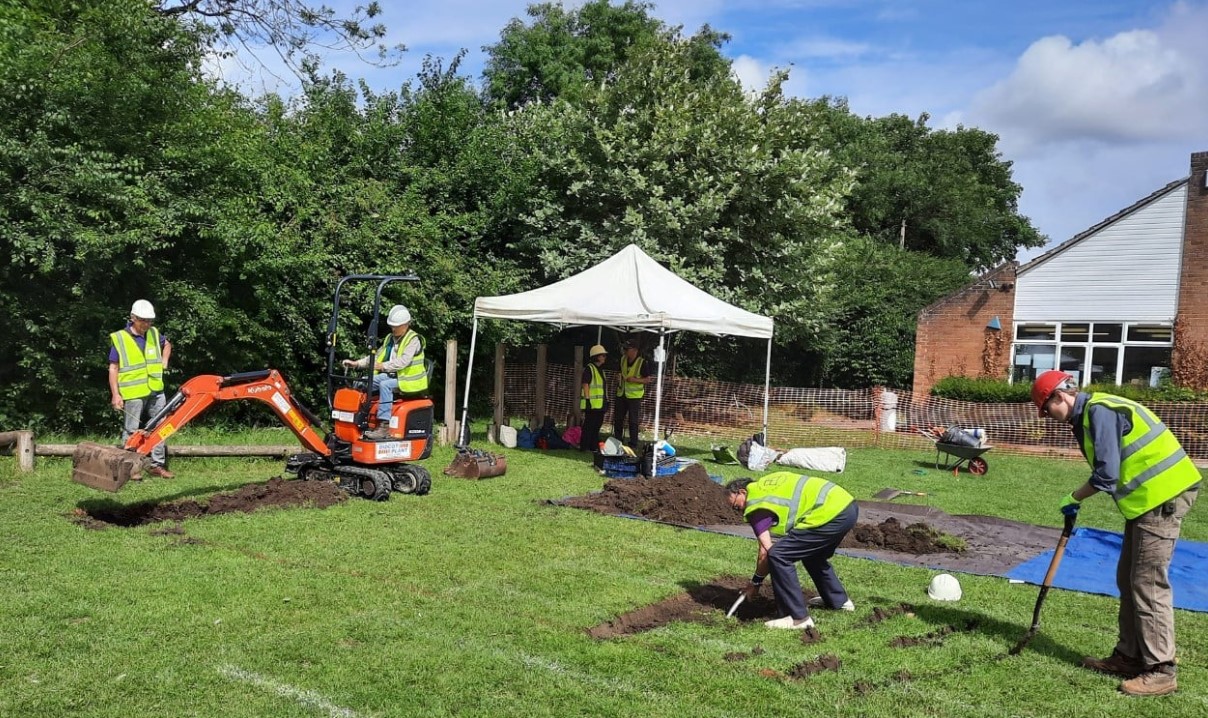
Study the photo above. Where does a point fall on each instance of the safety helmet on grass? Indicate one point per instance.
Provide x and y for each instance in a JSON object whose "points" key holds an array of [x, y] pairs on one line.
{"points": [[944, 587]]}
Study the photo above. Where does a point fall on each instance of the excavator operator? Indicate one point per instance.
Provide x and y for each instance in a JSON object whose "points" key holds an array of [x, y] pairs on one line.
{"points": [[399, 366]]}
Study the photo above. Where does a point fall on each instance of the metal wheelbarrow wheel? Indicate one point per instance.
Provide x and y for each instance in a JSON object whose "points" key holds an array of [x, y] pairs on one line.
{"points": [[978, 466]]}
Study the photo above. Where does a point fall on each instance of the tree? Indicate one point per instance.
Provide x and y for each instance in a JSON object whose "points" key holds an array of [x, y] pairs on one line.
{"points": [[948, 193], [723, 188], [879, 290], [294, 29], [562, 53], [113, 156]]}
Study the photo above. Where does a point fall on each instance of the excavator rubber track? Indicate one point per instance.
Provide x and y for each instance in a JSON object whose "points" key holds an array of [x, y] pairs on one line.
{"points": [[107, 468]]}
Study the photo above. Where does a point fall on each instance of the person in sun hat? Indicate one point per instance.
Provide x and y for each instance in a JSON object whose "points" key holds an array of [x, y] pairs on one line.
{"points": [[399, 365], [811, 516], [631, 388], [591, 398], [1137, 461], [138, 358]]}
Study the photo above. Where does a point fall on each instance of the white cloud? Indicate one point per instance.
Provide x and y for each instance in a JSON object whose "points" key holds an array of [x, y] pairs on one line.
{"points": [[825, 47], [752, 73], [1136, 86]]}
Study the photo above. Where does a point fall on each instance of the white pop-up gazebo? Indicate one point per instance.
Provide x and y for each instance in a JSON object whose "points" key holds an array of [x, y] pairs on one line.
{"points": [[628, 291]]}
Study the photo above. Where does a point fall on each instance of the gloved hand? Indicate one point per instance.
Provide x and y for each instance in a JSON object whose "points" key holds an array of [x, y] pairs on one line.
{"points": [[1070, 505]]}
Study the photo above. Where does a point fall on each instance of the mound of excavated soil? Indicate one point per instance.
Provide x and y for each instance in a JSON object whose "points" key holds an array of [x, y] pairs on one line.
{"points": [[688, 497], [276, 493], [691, 498]]}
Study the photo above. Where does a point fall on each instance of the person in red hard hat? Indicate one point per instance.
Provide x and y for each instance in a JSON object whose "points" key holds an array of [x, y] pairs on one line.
{"points": [[1136, 460]]}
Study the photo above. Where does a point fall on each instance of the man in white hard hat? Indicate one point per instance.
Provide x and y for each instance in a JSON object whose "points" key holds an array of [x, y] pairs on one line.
{"points": [[591, 399], [138, 358], [398, 366]]}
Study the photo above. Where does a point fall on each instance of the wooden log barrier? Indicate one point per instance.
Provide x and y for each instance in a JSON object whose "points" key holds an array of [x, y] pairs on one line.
{"points": [[21, 444], [278, 452]]}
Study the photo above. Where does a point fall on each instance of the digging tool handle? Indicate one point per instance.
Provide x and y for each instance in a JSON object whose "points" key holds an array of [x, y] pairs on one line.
{"points": [[737, 602], [1053, 565]]}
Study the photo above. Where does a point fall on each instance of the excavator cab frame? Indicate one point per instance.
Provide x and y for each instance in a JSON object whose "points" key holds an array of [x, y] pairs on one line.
{"points": [[367, 467]]}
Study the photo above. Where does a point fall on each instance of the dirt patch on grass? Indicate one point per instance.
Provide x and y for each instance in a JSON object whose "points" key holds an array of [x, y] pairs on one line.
{"points": [[908, 534], [933, 639], [825, 662], [275, 493], [700, 604], [691, 498], [883, 614]]}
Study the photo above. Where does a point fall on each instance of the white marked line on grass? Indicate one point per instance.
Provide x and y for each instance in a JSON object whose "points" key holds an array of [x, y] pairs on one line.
{"points": [[310, 699]]}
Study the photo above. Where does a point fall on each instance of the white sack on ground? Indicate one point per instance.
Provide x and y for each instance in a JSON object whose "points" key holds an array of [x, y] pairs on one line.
{"points": [[760, 457], [823, 458]]}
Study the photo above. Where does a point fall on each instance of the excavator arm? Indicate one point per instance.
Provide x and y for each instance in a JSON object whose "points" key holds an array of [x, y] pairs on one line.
{"points": [[108, 468]]}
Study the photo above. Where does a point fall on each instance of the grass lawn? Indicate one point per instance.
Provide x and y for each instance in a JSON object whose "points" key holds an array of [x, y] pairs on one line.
{"points": [[475, 599]]}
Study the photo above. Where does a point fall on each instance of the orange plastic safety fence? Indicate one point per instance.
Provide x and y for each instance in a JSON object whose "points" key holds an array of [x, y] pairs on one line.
{"points": [[800, 417]]}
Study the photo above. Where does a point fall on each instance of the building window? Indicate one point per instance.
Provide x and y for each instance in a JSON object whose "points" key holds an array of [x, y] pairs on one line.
{"points": [[1093, 352]]}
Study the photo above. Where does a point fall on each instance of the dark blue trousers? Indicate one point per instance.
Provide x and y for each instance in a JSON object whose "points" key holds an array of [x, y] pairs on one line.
{"points": [[813, 548]]}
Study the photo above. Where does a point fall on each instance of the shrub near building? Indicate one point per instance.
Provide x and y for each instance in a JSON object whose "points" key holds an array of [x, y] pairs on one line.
{"points": [[983, 390]]}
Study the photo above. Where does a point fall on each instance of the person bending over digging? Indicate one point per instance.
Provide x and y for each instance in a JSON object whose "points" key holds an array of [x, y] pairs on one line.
{"points": [[1137, 461], [811, 516]]}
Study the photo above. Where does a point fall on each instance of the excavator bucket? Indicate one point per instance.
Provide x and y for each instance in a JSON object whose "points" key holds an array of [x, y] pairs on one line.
{"points": [[105, 467], [474, 464]]}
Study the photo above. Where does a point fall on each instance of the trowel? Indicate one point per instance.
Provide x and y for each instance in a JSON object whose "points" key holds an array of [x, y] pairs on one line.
{"points": [[737, 602], [891, 494]]}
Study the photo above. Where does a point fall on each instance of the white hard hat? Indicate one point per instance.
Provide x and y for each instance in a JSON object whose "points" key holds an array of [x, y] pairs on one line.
{"points": [[944, 587], [143, 309], [596, 351], [398, 316]]}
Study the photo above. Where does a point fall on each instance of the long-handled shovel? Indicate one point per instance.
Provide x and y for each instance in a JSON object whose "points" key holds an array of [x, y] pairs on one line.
{"points": [[1044, 586], [737, 602]]}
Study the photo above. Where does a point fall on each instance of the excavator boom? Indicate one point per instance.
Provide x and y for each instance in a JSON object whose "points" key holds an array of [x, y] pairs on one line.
{"points": [[108, 468]]}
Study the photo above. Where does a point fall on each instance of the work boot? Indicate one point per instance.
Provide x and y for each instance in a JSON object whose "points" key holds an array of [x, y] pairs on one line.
{"points": [[382, 432], [1116, 664], [161, 472], [791, 623], [1157, 682], [817, 602]]}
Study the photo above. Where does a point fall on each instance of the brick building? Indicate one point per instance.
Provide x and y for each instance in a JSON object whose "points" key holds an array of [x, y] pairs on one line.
{"points": [[1125, 301]]}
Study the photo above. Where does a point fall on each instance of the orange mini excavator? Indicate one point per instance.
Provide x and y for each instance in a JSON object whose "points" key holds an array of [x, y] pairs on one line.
{"points": [[362, 466]]}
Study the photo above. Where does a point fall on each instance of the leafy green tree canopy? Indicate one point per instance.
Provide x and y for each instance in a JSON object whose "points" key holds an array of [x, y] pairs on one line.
{"points": [[564, 52], [296, 30]]}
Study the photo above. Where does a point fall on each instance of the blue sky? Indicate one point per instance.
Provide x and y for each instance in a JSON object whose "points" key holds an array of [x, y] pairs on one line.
{"points": [[1096, 103]]}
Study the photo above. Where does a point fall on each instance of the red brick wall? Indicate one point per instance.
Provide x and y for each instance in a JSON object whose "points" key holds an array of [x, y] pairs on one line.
{"points": [[952, 337], [1192, 318]]}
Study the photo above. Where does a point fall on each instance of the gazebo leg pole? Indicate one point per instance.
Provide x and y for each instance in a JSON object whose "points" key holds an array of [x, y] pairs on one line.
{"points": [[767, 381], [660, 355], [463, 431]]}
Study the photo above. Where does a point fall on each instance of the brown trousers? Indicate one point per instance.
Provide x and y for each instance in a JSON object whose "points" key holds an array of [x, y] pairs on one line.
{"points": [[1146, 602]]}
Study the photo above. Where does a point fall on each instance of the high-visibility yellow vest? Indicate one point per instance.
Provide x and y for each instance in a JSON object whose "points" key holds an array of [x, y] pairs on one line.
{"points": [[595, 390], [1154, 468], [413, 378], [140, 372], [799, 501], [631, 390]]}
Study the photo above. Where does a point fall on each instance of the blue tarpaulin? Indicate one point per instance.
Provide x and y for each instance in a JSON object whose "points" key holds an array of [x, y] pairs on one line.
{"points": [[1089, 565]]}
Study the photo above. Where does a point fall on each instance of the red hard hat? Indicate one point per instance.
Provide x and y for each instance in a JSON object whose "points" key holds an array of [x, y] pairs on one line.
{"points": [[1045, 385]]}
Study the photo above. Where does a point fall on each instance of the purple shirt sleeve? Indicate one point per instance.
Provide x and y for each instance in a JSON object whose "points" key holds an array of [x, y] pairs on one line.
{"points": [[761, 520]]}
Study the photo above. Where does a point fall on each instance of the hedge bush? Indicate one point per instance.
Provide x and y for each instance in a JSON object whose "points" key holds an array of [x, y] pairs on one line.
{"points": [[982, 390], [999, 391]]}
